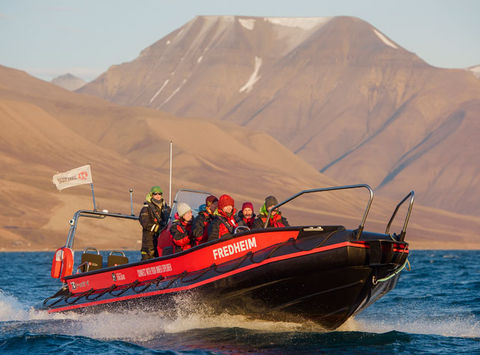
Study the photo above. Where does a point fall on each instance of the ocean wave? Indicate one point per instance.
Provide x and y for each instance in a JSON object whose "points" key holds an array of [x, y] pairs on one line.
{"points": [[30, 343], [459, 325]]}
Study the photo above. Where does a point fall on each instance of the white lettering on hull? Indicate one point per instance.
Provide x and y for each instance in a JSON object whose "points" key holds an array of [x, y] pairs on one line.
{"points": [[153, 270], [234, 248]]}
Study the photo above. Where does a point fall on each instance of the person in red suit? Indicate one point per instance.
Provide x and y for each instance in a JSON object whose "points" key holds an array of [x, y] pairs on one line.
{"points": [[181, 229], [224, 223]]}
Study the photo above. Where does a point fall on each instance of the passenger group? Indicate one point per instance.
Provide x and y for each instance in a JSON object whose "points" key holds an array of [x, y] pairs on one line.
{"points": [[217, 218]]}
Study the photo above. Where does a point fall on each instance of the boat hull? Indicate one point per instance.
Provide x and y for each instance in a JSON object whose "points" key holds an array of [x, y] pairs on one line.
{"points": [[321, 274]]}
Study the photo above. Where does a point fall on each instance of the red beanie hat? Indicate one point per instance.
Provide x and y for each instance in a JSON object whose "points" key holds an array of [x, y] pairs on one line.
{"points": [[210, 199], [225, 200], [247, 205]]}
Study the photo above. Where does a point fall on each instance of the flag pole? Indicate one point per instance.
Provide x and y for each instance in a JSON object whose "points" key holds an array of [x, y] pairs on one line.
{"points": [[170, 184]]}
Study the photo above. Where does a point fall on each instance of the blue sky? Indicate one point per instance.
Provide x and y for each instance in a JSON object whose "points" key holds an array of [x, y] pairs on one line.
{"points": [[48, 38]]}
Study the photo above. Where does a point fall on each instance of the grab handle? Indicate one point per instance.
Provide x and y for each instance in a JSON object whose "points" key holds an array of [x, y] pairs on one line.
{"points": [[335, 188], [407, 217]]}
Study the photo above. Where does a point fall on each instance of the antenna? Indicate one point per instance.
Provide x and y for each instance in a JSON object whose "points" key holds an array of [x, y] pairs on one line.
{"points": [[93, 197], [131, 202], [170, 185]]}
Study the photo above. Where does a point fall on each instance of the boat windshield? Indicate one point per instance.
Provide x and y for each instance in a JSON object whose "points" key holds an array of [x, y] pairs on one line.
{"points": [[191, 197]]}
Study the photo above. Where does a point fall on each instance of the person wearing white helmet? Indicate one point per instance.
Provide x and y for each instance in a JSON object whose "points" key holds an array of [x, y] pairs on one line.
{"points": [[181, 229]]}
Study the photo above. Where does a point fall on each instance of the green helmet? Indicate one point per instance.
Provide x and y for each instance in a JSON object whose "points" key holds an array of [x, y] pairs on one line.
{"points": [[156, 189]]}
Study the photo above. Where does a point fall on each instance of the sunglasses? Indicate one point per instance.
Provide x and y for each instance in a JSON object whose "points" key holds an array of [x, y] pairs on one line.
{"points": [[157, 193]]}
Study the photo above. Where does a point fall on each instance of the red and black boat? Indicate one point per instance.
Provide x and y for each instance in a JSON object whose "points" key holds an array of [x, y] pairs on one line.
{"points": [[316, 272]]}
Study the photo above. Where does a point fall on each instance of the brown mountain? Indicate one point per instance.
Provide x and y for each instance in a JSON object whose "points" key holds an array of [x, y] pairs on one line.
{"points": [[336, 91], [69, 81], [47, 129]]}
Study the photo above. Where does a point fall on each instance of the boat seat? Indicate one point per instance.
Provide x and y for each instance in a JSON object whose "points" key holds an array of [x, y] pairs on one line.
{"points": [[91, 261], [167, 251], [114, 260]]}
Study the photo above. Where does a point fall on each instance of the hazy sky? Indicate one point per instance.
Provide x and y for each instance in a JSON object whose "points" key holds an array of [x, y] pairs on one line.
{"points": [[48, 38]]}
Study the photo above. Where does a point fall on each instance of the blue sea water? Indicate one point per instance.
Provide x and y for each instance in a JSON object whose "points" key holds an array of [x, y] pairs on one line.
{"points": [[435, 309]]}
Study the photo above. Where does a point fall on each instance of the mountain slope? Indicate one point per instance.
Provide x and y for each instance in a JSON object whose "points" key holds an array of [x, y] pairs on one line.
{"points": [[48, 129], [335, 91]]}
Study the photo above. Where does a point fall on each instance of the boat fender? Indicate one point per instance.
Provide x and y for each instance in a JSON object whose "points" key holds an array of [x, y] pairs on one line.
{"points": [[67, 268], [62, 263], [57, 263]]}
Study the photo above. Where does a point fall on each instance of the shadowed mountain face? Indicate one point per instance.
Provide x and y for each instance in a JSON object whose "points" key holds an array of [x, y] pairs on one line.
{"points": [[335, 91]]}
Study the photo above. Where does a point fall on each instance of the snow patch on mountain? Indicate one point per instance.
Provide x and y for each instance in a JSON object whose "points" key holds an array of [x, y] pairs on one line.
{"points": [[213, 19], [180, 33], [385, 39], [210, 29], [253, 78], [159, 90], [305, 23], [475, 70], [249, 24], [174, 92]]}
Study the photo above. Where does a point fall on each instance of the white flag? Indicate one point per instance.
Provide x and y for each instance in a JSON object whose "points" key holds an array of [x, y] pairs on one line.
{"points": [[74, 177]]}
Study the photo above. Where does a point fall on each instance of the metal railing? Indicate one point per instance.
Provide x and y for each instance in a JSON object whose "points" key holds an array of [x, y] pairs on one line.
{"points": [[346, 187], [407, 217], [91, 214], [103, 214]]}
